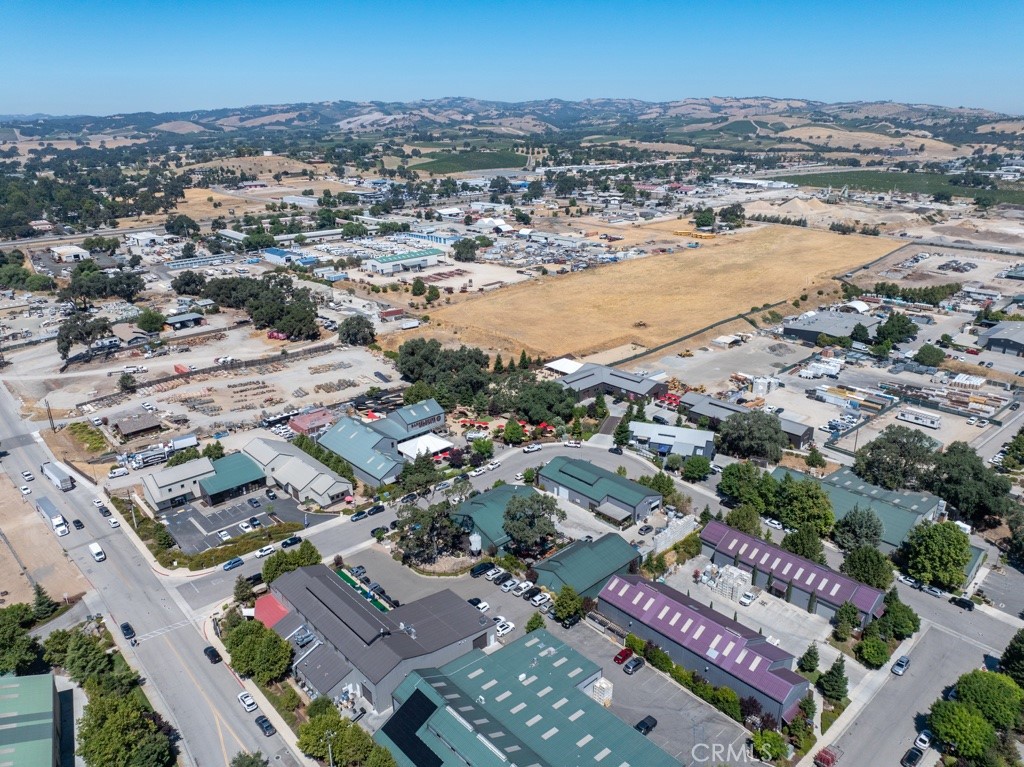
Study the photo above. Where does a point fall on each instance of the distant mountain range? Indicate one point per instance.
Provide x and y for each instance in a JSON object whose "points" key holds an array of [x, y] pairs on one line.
{"points": [[524, 118]]}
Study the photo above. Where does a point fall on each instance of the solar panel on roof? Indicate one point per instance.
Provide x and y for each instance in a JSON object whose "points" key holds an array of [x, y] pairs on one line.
{"points": [[403, 725]]}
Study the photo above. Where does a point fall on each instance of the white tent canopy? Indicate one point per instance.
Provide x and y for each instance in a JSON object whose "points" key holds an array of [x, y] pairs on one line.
{"points": [[425, 443]]}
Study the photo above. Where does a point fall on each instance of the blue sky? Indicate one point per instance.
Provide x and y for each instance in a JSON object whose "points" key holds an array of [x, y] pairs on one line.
{"points": [[117, 56]]}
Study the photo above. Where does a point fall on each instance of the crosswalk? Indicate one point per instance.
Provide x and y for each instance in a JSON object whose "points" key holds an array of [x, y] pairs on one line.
{"points": [[161, 631]]}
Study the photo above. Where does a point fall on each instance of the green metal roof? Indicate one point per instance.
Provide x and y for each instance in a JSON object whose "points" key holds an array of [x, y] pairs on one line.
{"points": [[486, 512], [394, 257], [520, 705], [232, 471], [593, 482], [357, 443], [27, 703], [586, 565]]}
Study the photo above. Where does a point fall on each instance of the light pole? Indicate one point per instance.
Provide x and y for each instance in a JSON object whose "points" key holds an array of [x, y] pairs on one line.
{"points": [[330, 750]]}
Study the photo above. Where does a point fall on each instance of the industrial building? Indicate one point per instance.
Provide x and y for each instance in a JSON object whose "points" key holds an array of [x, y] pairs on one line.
{"points": [[816, 588], [136, 425], [699, 406], [312, 423], [587, 565], [724, 652], [69, 254], [30, 713], [182, 321], [673, 440], [176, 486], [297, 474], [1005, 338], [603, 492], [484, 514], [530, 703], [590, 379], [346, 649], [807, 327], [413, 261], [234, 475]]}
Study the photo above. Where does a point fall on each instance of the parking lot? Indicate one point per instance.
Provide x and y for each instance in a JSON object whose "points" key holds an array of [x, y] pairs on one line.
{"points": [[196, 529]]}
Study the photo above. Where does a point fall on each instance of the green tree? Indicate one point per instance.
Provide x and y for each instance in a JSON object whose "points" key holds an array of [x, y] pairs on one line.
{"points": [[899, 457], [258, 652], [55, 647], [744, 483], [188, 283], [847, 618], [674, 462], [996, 697], [417, 392], [323, 735], [859, 528], [536, 622], [954, 722], [150, 321], [243, 590], [961, 479], [621, 434], [530, 520], [696, 468], [465, 250], [860, 334], [321, 705], [432, 294], [808, 662], [567, 603], [86, 658], [114, 730], [703, 218], [872, 652], [242, 759], [805, 543], [804, 504], [184, 456], [815, 459], [181, 226], [868, 565], [899, 620], [768, 745], [357, 330], [42, 605], [127, 383], [419, 287], [753, 435], [833, 684], [514, 432], [937, 554], [929, 355], [18, 648], [896, 329], [483, 448], [420, 475], [745, 519], [1012, 661], [213, 450]]}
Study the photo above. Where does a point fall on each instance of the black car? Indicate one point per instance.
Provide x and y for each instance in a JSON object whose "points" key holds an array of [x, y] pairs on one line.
{"points": [[475, 601], [271, 494], [77, 524], [264, 724], [104, 511], [254, 503], [255, 579], [287, 543], [212, 655], [660, 419], [617, 450], [480, 569], [571, 621], [1015, 406], [503, 578], [912, 758], [963, 603], [255, 522], [394, 524], [645, 725], [531, 593], [127, 631], [464, 477], [382, 531], [373, 510], [410, 498]]}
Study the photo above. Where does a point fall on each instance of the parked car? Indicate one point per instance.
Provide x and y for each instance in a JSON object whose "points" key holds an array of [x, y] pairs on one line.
{"points": [[25, 490], [271, 494], [224, 535], [480, 569], [521, 588], [359, 516], [962, 602], [127, 631], [935, 592], [493, 465], [28, 476], [266, 551], [478, 472], [104, 511], [375, 510], [494, 573], [474, 601], [533, 448], [623, 655], [646, 725], [519, 477], [912, 758], [245, 527], [924, 740], [899, 668], [247, 701], [264, 724], [287, 543], [912, 582], [382, 531], [510, 584], [77, 524], [645, 530], [358, 571], [408, 498], [505, 627], [633, 665], [254, 503], [540, 599], [747, 599], [616, 450], [443, 485], [531, 592], [212, 655], [572, 443], [231, 564], [483, 607], [774, 524], [113, 523], [571, 621]]}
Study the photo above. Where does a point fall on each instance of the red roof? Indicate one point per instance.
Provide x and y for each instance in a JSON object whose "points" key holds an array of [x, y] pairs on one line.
{"points": [[269, 611]]}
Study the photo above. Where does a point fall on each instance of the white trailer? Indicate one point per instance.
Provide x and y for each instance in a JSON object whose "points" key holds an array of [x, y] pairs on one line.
{"points": [[49, 512], [920, 417], [60, 478]]}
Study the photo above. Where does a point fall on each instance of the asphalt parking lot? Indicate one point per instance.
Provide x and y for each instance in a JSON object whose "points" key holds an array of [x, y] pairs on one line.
{"points": [[1005, 587], [196, 530]]}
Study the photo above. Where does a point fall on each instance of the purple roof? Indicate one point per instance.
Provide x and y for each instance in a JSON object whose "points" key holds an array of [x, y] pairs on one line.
{"points": [[729, 645], [828, 585]]}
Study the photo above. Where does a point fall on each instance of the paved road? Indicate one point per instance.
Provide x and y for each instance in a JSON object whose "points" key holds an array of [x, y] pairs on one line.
{"points": [[197, 698]]}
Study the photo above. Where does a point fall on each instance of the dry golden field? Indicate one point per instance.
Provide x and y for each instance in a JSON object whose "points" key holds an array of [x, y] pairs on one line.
{"points": [[652, 300]]}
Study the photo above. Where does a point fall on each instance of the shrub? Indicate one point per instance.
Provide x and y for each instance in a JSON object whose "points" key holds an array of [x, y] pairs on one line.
{"points": [[872, 652], [289, 699], [635, 643]]}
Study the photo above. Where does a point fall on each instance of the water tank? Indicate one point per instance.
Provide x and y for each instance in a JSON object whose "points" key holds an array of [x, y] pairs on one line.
{"points": [[475, 543]]}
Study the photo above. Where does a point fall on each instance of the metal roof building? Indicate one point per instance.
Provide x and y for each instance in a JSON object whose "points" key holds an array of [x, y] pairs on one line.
{"points": [[234, 475], [1005, 338], [715, 410], [484, 514], [370, 651], [589, 379], [721, 650], [807, 327], [177, 485], [374, 457], [399, 262], [598, 490], [296, 473], [679, 440], [586, 565], [527, 704], [30, 713]]}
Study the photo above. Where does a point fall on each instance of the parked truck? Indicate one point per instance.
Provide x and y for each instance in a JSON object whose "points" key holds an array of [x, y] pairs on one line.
{"points": [[60, 478], [46, 508]]}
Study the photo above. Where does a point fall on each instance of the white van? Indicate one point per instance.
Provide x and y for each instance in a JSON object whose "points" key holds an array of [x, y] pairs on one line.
{"points": [[120, 471], [97, 552]]}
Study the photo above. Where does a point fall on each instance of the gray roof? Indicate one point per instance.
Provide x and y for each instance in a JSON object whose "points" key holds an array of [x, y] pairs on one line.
{"points": [[136, 422], [187, 317], [410, 414], [718, 410], [835, 324], [677, 436], [289, 465], [1004, 331], [591, 375], [184, 472], [324, 667], [372, 641], [358, 444]]}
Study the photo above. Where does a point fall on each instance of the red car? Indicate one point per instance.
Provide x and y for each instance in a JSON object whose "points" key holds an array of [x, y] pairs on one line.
{"points": [[623, 655]]}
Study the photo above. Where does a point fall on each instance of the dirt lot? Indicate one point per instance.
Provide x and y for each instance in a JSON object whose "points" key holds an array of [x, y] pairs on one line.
{"points": [[33, 544], [926, 272], [651, 300]]}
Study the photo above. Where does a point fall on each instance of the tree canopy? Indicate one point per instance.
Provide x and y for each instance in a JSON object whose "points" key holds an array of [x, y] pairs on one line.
{"points": [[357, 330], [531, 519], [804, 504], [937, 554], [955, 722], [806, 543], [995, 696], [753, 435], [868, 565], [860, 527], [257, 652], [900, 457]]}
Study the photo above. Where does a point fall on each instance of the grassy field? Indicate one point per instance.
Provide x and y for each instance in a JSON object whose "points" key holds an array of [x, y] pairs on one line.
{"points": [[458, 162], [920, 183], [653, 300]]}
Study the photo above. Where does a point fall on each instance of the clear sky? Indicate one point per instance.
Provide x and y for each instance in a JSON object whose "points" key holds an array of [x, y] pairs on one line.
{"points": [[109, 56]]}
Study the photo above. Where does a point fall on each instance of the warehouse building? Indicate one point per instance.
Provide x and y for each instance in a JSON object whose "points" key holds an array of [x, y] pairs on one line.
{"points": [[587, 565], [590, 379], [234, 475], [182, 321], [413, 261], [531, 703], [1005, 338], [807, 327], [346, 649], [603, 492], [374, 457], [298, 474], [699, 406], [673, 440], [484, 514], [30, 713], [724, 652], [816, 588], [176, 486]]}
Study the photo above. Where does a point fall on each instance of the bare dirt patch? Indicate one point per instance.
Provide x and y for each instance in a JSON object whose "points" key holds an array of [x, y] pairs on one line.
{"points": [[652, 300]]}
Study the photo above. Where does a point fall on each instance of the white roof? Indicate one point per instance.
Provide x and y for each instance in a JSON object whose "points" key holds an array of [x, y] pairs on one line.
{"points": [[564, 365], [69, 250], [425, 443], [450, 211], [858, 306]]}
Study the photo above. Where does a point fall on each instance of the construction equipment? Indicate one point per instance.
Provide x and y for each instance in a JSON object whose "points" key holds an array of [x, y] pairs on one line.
{"points": [[696, 235]]}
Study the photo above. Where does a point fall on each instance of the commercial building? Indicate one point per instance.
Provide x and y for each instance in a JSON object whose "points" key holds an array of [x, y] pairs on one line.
{"points": [[176, 486], [699, 406], [412, 420], [187, 320], [347, 649], [484, 514], [591, 379], [1005, 338], [600, 491], [312, 423], [677, 440], [296, 473], [69, 253], [723, 651], [413, 261], [816, 588], [807, 327], [587, 565], [529, 703], [145, 239], [136, 425], [234, 475], [30, 721]]}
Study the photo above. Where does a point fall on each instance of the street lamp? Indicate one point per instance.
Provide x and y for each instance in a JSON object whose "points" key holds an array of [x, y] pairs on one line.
{"points": [[330, 750]]}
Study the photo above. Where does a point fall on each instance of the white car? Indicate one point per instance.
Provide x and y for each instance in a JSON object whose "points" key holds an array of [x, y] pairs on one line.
{"points": [[522, 588], [28, 476], [266, 551], [507, 586], [540, 599], [748, 598], [519, 477], [25, 489], [224, 535], [478, 472], [774, 524], [492, 574], [483, 607], [506, 627], [148, 406], [113, 523], [493, 465], [572, 443], [924, 740], [531, 448], [972, 420], [245, 527], [247, 701], [97, 502]]}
